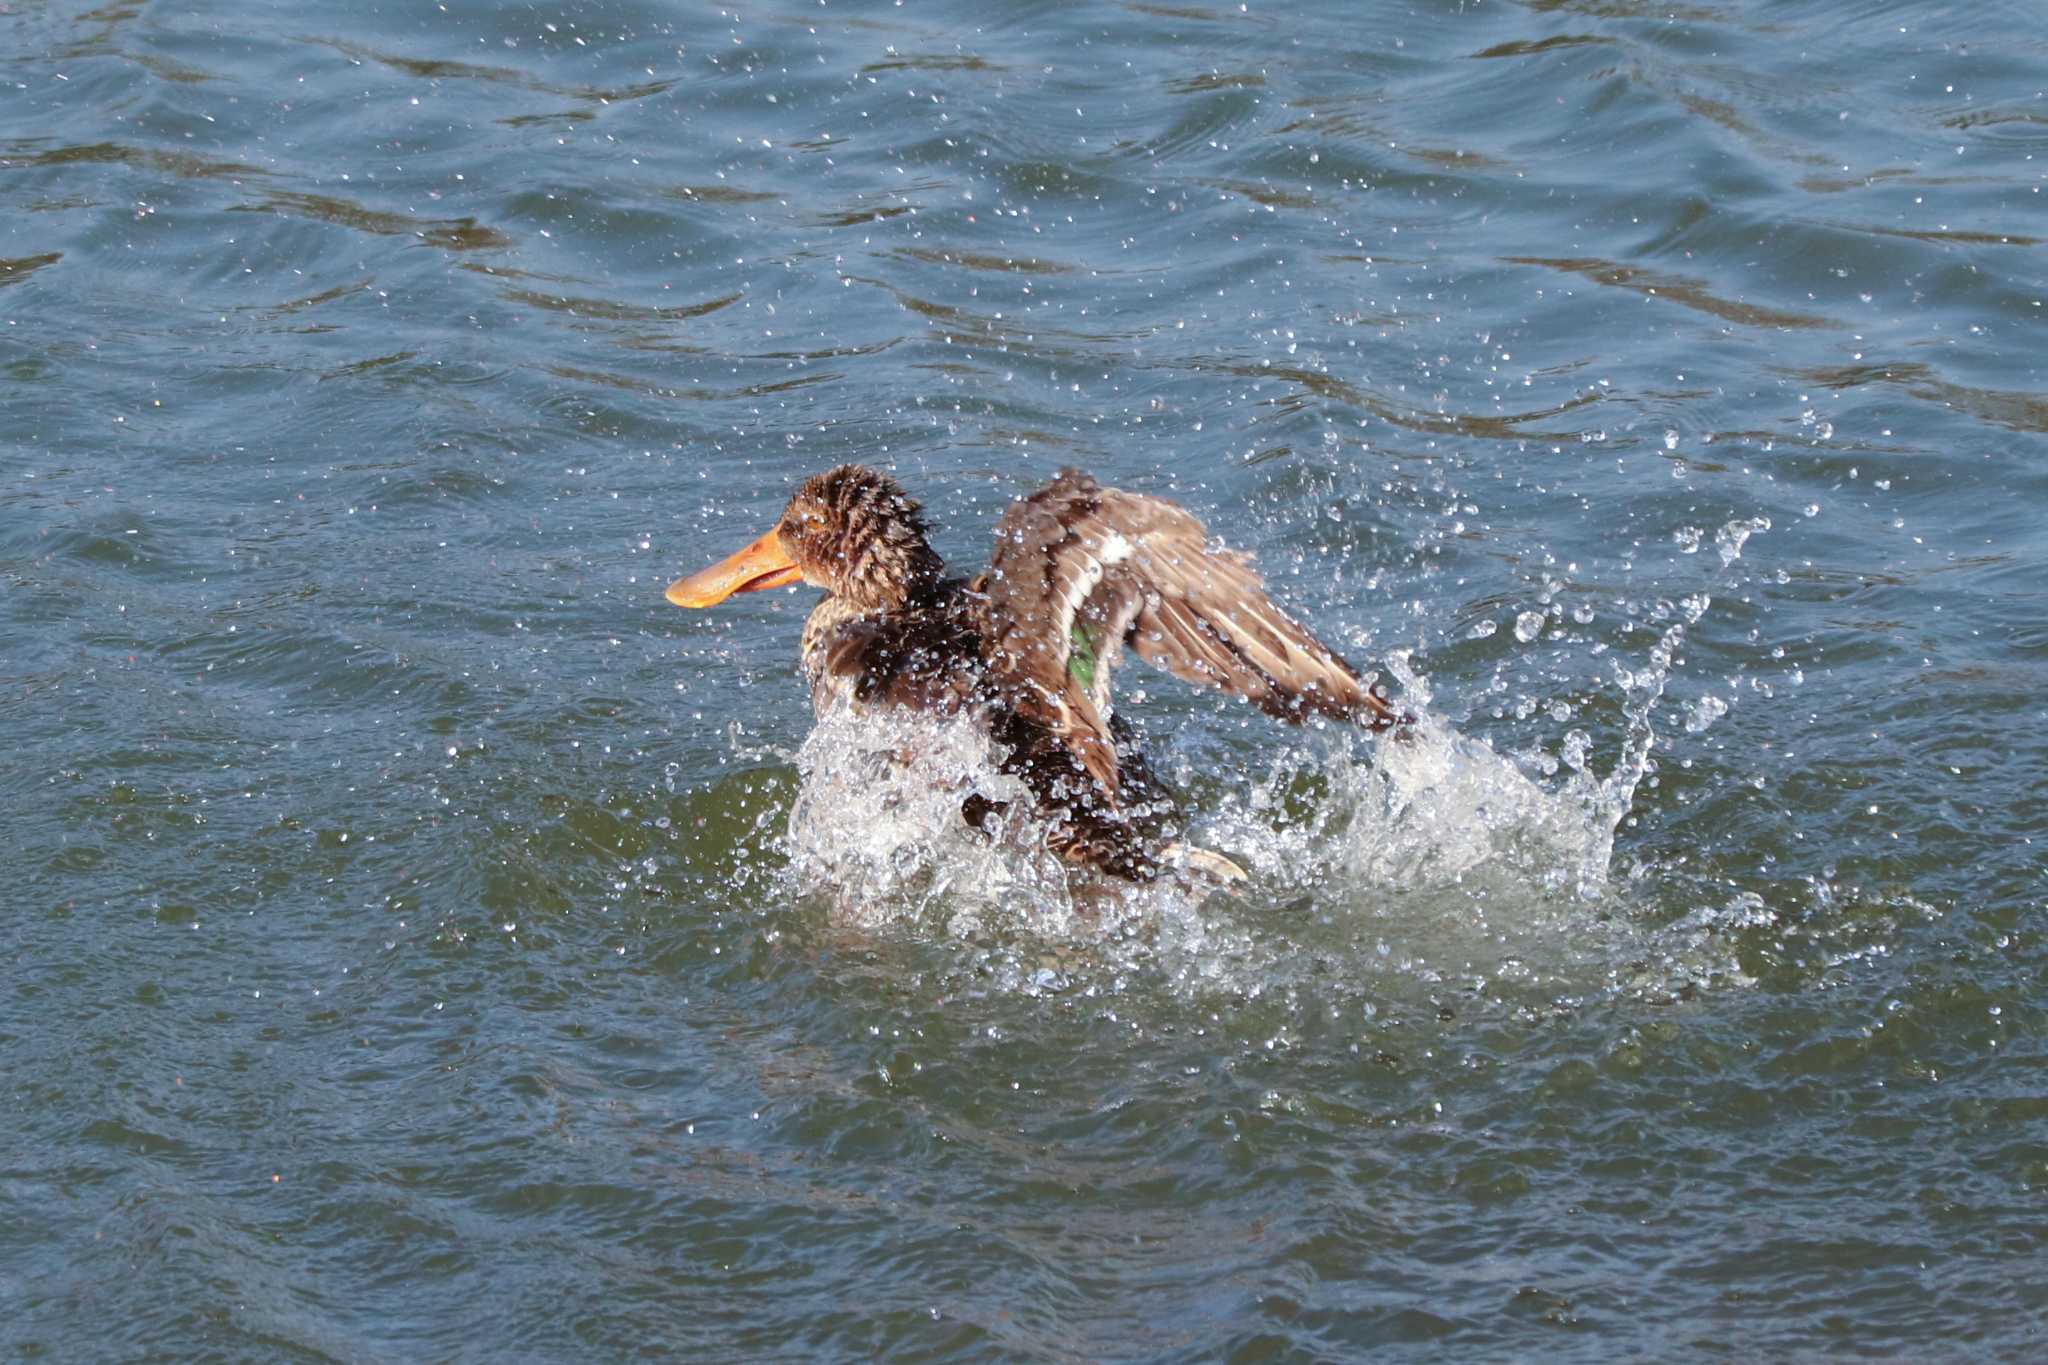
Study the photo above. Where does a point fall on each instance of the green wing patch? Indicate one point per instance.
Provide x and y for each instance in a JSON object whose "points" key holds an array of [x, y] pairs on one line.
{"points": [[1081, 657]]}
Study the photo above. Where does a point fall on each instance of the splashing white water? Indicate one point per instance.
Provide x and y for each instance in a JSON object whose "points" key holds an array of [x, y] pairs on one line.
{"points": [[1430, 858], [1379, 866], [878, 822]]}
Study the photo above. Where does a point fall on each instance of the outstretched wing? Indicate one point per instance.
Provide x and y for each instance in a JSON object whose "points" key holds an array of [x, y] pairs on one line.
{"points": [[1081, 570]]}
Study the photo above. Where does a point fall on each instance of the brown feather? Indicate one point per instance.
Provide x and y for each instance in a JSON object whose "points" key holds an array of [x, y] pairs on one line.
{"points": [[1078, 556]]}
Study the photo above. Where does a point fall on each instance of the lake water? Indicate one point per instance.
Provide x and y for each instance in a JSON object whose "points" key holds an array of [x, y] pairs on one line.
{"points": [[424, 942]]}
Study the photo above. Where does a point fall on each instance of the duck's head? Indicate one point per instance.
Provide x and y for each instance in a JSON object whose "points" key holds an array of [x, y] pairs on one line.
{"points": [[851, 531]]}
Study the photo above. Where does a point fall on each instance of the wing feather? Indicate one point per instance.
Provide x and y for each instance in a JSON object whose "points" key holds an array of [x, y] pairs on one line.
{"points": [[1081, 570]]}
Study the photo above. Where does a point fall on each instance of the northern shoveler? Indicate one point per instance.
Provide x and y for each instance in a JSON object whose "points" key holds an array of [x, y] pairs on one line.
{"points": [[1028, 648]]}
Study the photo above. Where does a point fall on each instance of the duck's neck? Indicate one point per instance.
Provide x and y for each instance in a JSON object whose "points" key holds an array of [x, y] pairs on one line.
{"points": [[892, 575]]}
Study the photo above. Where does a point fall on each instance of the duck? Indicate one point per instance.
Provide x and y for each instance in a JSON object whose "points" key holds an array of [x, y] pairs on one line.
{"points": [[1029, 647]]}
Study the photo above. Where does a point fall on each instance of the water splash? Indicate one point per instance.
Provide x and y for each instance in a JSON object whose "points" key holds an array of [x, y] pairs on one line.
{"points": [[1377, 863], [877, 820], [877, 825], [1729, 540], [1438, 804]]}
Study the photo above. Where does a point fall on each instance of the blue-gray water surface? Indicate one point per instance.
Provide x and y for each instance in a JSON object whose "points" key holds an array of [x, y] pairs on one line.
{"points": [[410, 951]]}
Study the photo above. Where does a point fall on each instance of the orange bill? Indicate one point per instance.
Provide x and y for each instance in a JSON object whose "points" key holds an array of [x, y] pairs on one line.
{"points": [[764, 564]]}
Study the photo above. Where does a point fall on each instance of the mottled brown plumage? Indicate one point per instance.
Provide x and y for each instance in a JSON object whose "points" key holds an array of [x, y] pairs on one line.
{"points": [[1079, 573]]}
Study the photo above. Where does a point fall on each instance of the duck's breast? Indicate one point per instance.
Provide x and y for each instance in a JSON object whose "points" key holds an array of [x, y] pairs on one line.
{"points": [[926, 658]]}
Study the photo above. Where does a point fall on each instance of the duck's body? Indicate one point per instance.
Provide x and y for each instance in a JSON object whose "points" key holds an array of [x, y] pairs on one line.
{"points": [[1028, 647]]}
